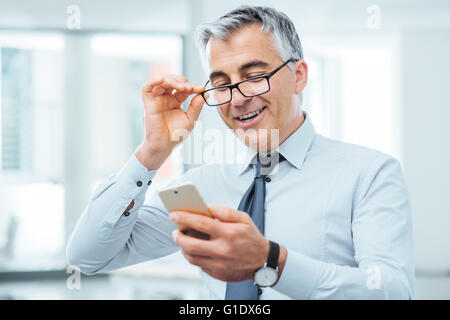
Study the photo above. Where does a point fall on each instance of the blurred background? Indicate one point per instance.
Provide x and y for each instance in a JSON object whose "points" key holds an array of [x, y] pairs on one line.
{"points": [[71, 115]]}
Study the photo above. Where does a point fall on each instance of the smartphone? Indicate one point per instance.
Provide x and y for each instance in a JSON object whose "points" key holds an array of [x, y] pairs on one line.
{"points": [[185, 197]]}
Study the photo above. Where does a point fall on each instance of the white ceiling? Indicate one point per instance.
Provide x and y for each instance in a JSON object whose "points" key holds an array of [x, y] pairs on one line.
{"points": [[350, 14], [176, 15], [131, 15]]}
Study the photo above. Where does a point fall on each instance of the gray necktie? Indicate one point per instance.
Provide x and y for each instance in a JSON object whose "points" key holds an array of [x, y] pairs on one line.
{"points": [[253, 203]]}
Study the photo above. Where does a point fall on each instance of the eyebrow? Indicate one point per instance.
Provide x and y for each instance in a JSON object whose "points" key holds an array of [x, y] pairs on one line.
{"points": [[248, 65]]}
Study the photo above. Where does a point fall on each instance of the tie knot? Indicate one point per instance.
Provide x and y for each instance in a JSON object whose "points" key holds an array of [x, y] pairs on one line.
{"points": [[266, 162]]}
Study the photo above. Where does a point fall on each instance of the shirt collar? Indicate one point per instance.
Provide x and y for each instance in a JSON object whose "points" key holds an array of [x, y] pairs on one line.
{"points": [[294, 148]]}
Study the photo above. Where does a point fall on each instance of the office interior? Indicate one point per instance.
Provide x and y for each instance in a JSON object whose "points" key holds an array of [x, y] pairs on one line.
{"points": [[71, 115]]}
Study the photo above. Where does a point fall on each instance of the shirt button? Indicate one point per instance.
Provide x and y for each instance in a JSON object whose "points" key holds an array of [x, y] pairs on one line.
{"points": [[126, 214], [139, 183], [259, 291], [268, 179], [149, 182]]}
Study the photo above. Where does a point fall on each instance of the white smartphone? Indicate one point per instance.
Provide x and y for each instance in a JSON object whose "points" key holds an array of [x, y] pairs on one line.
{"points": [[185, 197]]}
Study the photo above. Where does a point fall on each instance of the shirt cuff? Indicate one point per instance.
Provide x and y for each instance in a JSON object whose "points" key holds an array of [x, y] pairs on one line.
{"points": [[300, 276], [134, 174], [131, 183]]}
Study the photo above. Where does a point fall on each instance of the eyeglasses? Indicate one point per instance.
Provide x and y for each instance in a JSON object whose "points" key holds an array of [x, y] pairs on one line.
{"points": [[250, 87]]}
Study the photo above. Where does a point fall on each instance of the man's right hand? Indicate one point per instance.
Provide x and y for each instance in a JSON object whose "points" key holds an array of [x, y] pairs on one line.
{"points": [[166, 123]]}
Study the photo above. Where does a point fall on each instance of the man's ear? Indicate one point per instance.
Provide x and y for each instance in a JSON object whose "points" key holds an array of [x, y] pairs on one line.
{"points": [[301, 75]]}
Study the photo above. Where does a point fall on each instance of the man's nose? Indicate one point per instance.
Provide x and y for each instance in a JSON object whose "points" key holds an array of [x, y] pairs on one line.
{"points": [[238, 99]]}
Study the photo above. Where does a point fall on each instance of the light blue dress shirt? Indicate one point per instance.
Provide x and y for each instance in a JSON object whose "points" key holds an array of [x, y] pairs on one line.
{"points": [[341, 210]]}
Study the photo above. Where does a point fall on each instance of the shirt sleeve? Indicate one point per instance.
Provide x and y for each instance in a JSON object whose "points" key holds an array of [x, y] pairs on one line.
{"points": [[107, 238], [383, 246]]}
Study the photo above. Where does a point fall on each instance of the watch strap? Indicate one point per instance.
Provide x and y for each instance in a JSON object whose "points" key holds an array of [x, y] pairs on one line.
{"points": [[274, 254]]}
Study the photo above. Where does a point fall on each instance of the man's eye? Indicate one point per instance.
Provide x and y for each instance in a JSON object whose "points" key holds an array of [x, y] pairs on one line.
{"points": [[222, 89], [218, 84], [255, 75], [257, 80]]}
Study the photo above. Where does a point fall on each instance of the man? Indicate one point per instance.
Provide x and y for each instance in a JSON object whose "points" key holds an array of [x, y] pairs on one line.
{"points": [[332, 222]]}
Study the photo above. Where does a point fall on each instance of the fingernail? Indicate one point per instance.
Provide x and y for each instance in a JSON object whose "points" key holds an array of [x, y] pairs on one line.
{"points": [[174, 216], [174, 234]]}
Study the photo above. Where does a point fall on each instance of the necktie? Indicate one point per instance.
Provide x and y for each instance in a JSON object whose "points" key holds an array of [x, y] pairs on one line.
{"points": [[253, 203]]}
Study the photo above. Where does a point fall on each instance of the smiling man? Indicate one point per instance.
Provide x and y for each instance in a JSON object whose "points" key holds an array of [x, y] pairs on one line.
{"points": [[332, 222], [259, 103]]}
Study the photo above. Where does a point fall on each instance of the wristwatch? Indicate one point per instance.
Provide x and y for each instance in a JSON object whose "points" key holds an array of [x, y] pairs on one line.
{"points": [[267, 275]]}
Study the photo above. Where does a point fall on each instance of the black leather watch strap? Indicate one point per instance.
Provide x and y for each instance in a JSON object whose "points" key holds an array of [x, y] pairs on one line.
{"points": [[274, 253]]}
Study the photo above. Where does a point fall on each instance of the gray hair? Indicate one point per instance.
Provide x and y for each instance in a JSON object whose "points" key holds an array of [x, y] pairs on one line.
{"points": [[286, 39]]}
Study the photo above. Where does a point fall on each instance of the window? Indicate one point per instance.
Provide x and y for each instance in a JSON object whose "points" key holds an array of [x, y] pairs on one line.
{"points": [[16, 111], [31, 186], [33, 137], [351, 90]]}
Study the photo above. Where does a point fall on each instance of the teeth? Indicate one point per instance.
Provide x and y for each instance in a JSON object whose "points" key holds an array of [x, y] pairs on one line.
{"points": [[244, 117]]}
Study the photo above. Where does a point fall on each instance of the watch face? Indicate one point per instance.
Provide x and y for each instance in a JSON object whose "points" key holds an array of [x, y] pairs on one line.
{"points": [[266, 277]]}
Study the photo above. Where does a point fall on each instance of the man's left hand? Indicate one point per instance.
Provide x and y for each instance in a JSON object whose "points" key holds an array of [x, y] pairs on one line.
{"points": [[235, 250]]}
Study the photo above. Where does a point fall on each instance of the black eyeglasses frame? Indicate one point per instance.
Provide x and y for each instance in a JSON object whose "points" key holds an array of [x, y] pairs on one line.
{"points": [[236, 85]]}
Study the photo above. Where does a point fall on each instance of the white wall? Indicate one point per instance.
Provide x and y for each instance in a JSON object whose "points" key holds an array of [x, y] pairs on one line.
{"points": [[426, 144]]}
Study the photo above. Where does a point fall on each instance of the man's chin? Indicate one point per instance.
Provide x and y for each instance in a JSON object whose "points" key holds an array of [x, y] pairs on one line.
{"points": [[261, 140]]}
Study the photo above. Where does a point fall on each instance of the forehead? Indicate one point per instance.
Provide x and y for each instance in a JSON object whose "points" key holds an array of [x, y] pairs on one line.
{"points": [[241, 46]]}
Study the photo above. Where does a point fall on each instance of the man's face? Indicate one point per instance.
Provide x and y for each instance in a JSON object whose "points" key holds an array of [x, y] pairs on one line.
{"points": [[246, 53]]}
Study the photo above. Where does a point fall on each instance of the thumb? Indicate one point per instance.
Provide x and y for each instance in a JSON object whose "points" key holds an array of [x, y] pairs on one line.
{"points": [[195, 107], [227, 214]]}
